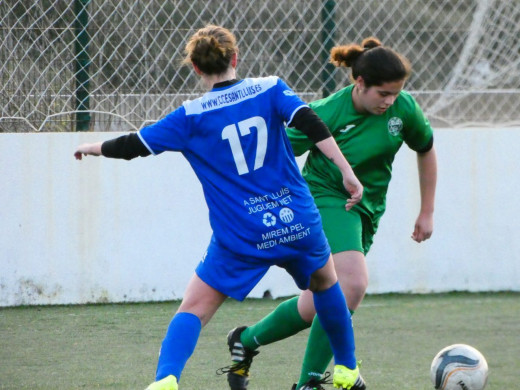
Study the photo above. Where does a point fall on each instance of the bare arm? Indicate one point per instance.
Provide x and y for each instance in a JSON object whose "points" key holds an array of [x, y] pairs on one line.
{"points": [[330, 148], [427, 164], [88, 150]]}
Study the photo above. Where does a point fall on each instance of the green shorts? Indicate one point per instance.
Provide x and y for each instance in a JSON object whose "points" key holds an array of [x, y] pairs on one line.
{"points": [[347, 230]]}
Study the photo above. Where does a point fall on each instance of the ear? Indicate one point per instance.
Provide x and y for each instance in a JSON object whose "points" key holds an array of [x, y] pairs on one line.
{"points": [[360, 83], [234, 60], [196, 68]]}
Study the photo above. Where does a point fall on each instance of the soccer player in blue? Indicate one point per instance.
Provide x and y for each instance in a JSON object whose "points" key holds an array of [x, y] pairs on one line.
{"points": [[260, 208]]}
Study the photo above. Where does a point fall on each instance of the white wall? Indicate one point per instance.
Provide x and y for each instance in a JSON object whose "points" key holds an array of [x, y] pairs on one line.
{"points": [[104, 230], [476, 241]]}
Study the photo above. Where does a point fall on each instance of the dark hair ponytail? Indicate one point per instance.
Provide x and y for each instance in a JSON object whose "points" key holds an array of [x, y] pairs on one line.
{"points": [[375, 63]]}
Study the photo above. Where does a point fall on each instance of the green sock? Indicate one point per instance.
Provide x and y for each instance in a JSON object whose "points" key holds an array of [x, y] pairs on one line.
{"points": [[282, 322], [318, 354]]}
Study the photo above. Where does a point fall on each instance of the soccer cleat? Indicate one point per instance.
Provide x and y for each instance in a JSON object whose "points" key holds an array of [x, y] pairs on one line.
{"points": [[359, 384], [344, 378], [168, 383], [315, 384], [242, 357]]}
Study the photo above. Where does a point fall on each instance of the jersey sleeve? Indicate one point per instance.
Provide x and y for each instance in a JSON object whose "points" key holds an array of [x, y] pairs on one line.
{"points": [[168, 134], [418, 131], [287, 102]]}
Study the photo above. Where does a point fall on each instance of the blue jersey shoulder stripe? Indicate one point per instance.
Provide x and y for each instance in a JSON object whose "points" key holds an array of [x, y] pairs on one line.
{"points": [[145, 143], [295, 111]]}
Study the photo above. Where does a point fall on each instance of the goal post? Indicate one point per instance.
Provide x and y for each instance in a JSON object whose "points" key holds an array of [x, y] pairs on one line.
{"points": [[112, 65]]}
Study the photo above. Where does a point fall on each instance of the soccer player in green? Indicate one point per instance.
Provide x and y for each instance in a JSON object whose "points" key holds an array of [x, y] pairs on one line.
{"points": [[369, 119]]}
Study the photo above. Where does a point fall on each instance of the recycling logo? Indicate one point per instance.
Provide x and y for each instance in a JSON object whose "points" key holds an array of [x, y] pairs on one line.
{"points": [[269, 219]]}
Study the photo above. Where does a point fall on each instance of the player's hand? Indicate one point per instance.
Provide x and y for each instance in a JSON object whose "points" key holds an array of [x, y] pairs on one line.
{"points": [[87, 149], [423, 227], [354, 188]]}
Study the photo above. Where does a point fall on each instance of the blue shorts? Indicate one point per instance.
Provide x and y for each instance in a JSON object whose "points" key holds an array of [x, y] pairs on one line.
{"points": [[236, 276]]}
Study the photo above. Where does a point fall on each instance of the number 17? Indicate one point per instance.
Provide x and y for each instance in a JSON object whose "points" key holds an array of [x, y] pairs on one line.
{"points": [[231, 134]]}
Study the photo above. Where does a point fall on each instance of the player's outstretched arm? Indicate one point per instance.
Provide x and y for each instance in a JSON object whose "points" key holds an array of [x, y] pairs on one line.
{"points": [[88, 150], [126, 147]]}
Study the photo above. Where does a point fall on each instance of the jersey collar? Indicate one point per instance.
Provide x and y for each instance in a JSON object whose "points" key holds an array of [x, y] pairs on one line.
{"points": [[226, 83]]}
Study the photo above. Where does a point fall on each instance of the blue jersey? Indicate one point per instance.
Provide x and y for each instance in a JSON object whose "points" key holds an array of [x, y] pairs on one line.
{"points": [[234, 138]]}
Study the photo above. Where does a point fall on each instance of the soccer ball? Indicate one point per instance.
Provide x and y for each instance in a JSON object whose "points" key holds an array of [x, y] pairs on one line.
{"points": [[459, 367]]}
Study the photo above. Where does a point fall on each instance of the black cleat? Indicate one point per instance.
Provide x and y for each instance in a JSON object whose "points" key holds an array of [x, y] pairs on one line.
{"points": [[316, 384], [242, 357]]}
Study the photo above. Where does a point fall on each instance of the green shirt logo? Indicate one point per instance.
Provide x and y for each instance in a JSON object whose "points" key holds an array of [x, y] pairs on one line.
{"points": [[395, 125]]}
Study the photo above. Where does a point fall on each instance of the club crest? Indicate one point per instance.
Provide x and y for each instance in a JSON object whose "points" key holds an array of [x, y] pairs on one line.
{"points": [[395, 125]]}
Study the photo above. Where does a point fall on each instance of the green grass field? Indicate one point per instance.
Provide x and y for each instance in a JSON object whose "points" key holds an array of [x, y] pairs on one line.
{"points": [[116, 346]]}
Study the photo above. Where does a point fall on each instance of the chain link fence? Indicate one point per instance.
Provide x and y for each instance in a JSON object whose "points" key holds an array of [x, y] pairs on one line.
{"points": [[112, 65]]}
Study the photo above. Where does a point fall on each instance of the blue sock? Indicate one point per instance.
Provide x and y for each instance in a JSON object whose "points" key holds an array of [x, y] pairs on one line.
{"points": [[178, 345], [335, 319]]}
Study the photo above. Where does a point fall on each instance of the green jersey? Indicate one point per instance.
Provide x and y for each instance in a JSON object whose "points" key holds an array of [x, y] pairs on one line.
{"points": [[369, 142]]}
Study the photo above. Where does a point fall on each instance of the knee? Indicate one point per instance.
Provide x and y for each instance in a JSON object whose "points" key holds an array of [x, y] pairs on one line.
{"points": [[204, 309], [321, 283], [354, 291], [323, 278], [356, 285]]}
